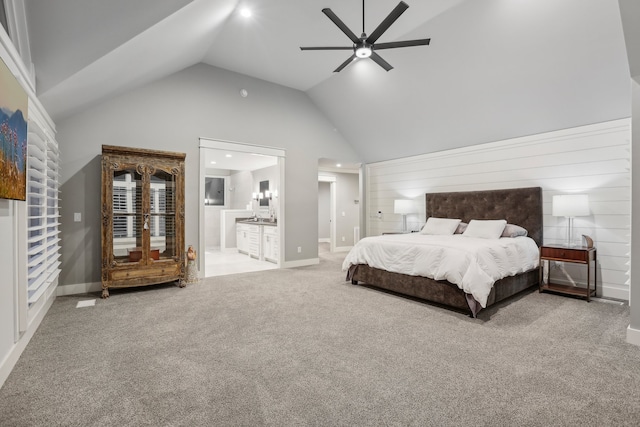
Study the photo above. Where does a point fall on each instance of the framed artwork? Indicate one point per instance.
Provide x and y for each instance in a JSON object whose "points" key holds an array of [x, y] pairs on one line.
{"points": [[13, 136]]}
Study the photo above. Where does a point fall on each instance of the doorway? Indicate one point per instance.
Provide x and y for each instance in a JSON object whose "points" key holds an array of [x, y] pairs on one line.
{"points": [[241, 170], [326, 211], [339, 208]]}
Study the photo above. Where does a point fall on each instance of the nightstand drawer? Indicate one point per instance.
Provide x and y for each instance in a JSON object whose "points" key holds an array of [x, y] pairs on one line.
{"points": [[566, 254]]}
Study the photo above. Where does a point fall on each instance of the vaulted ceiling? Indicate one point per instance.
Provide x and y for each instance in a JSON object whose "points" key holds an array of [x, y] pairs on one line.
{"points": [[503, 67]]}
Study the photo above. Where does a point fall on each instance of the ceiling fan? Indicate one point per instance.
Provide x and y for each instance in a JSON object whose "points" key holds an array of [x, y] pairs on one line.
{"points": [[365, 47]]}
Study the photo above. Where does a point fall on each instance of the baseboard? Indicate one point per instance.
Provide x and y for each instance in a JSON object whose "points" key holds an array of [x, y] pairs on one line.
{"points": [[614, 293], [78, 288], [343, 248], [6, 366], [301, 263], [633, 336], [324, 240]]}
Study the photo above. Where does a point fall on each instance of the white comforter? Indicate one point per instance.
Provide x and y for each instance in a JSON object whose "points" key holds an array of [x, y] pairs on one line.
{"points": [[471, 263]]}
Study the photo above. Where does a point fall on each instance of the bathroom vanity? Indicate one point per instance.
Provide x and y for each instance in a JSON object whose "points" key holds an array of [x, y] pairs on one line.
{"points": [[259, 239]]}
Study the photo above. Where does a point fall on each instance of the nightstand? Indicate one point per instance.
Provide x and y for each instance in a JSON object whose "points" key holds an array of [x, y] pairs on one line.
{"points": [[573, 254]]}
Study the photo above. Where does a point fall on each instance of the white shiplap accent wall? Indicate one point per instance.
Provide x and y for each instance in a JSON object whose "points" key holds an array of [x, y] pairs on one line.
{"points": [[592, 159]]}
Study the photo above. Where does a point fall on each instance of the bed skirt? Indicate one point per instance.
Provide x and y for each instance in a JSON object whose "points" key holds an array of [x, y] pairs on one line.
{"points": [[440, 291]]}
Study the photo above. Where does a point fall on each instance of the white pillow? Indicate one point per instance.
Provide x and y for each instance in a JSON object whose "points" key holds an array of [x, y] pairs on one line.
{"points": [[485, 229], [441, 226]]}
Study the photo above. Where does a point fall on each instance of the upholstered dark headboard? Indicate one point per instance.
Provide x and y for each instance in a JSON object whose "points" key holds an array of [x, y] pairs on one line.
{"points": [[520, 206]]}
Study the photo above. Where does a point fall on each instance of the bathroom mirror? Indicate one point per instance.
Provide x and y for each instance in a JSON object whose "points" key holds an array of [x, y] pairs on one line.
{"points": [[264, 187]]}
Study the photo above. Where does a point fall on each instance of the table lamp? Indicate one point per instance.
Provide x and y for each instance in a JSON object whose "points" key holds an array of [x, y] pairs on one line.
{"points": [[570, 206], [403, 207]]}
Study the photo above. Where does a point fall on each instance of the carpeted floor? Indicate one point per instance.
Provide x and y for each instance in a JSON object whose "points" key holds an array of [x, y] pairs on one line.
{"points": [[304, 347]]}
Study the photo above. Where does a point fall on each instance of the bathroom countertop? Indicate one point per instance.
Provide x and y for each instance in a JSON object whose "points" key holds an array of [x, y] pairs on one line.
{"points": [[262, 221]]}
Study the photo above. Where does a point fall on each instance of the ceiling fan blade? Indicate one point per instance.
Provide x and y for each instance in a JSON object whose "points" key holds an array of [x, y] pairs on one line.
{"points": [[327, 48], [345, 63], [390, 19], [340, 24], [405, 43], [381, 62]]}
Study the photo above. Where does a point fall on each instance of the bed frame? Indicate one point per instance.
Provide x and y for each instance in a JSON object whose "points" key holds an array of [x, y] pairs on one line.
{"points": [[520, 206]]}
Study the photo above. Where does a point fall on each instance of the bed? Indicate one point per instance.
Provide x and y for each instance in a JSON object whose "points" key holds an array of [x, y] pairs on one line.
{"points": [[520, 206]]}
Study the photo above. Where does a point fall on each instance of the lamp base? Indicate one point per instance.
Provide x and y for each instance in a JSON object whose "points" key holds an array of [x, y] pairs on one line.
{"points": [[571, 243]]}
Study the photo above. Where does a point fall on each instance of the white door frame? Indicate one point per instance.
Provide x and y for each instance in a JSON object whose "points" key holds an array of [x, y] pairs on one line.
{"points": [[332, 209], [217, 144]]}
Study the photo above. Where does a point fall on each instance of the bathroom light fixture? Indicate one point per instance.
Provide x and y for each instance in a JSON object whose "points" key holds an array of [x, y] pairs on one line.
{"points": [[570, 206]]}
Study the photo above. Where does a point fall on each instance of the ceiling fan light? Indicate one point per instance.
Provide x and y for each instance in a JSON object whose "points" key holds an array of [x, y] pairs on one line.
{"points": [[363, 52]]}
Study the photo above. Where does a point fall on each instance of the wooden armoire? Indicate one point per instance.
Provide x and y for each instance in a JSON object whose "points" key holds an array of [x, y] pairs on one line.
{"points": [[142, 217]]}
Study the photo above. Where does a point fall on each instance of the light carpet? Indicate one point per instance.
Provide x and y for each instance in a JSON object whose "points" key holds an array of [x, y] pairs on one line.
{"points": [[304, 347]]}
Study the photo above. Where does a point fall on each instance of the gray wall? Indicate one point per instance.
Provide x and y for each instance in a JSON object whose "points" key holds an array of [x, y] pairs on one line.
{"points": [[171, 114], [242, 184], [348, 212]]}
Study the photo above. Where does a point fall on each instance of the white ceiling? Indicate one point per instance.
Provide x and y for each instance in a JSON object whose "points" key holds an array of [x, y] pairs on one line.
{"points": [[85, 50], [504, 68]]}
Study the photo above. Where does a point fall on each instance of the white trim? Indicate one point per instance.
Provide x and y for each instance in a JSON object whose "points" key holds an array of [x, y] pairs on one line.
{"points": [[281, 211], [343, 248], [338, 170], [633, 336], [78, 288], [6, 366], [614, 293], [332, 209], [324, 240], [301, 263], [21, 306], [18, 32], [22, 73], [219, 144]]}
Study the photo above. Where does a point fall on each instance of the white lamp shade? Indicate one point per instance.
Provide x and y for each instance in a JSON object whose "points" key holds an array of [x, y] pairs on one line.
{"points": [[570, 205], [403, 207]]}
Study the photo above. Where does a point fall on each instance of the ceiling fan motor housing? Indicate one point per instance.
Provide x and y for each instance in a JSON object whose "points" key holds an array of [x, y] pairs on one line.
{"points": [[363, 49]]}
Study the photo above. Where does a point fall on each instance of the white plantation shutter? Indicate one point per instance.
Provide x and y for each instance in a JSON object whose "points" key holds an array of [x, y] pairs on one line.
{"points": [[43, 213]]}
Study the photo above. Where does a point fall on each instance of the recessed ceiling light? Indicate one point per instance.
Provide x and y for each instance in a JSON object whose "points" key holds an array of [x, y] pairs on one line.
{"points": [[213, 163], [245, 12], [338, 165], [228, 155]]}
